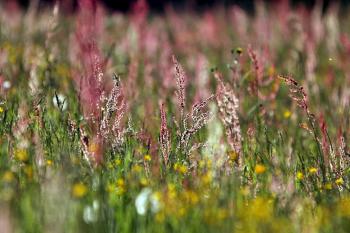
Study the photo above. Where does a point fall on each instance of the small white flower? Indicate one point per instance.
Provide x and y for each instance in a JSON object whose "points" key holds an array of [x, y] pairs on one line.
{"points": [[142, 201], [89, 214], [6, 85], [60, 101], [147, 199]]}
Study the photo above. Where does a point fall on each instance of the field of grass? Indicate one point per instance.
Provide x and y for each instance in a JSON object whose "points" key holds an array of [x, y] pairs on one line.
{"points": [[185, 121]]}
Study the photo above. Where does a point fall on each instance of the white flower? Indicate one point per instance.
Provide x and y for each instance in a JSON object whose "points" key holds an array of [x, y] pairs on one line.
{"points": [[144, 199], [90, 213], [60, 101], [6, 85]]}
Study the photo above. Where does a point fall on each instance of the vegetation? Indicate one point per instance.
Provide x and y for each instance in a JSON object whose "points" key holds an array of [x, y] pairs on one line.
{"points": [[215, 121]]}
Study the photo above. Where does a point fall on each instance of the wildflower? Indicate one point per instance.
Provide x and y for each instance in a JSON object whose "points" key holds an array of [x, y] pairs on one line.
{"points": [[113, 113], [191, 197], [118, 162], [21, 155], [147, 158], [339, 181], [228, 105], [199, 117], [6, 85], [1, 109], [91, 212], [300, 176], [136, 168], [260, 169], [120, 186], [207, 178], [144, 199], [171, 190], [8, 176], [328, 186], [180, 168], [79, 190], [233, 156], [297, 93], [312, 170], [164, 135], [258, 68], [49, 163], [144, 181], [287, 114], [181, 85]]}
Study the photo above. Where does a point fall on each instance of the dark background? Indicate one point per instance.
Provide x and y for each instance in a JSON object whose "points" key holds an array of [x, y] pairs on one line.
{"points": [[158, 5]]}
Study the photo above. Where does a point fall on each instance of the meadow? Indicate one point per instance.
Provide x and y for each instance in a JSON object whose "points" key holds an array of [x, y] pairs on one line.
{"points": [[218, 120]]}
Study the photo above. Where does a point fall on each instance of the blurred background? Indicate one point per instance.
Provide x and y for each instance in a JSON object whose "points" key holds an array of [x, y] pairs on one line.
{"points": [[160, 5]]}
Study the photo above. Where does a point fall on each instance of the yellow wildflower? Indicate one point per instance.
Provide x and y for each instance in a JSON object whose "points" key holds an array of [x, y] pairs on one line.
{"points": [[49, 162], [191, 197], [328, 186], [171, 190], [312, 170], [260, 169], [339, 181], [21, 155], [300, 176], [118, 162], [207, 178], [137, 168], [79, 190], [143, 181], [287, 114], [120, 186], [8, 176], [147, 158], [180, 168], [1, 110], [233, 156]]}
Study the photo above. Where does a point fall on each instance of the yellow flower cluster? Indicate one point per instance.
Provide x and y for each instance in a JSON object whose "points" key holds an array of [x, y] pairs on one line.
{"points": [[313, 170], [180, 168], [8, 176], [147, 158], [259, 169], [21, 155], [79, 190]]}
